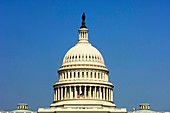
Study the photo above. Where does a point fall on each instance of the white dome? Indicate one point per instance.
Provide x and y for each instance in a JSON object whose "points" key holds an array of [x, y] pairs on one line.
{"points": [[83, 52]]}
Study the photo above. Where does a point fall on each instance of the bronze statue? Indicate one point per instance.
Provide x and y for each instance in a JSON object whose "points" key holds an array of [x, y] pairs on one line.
{"points": [[83, 24], [83, 17]]}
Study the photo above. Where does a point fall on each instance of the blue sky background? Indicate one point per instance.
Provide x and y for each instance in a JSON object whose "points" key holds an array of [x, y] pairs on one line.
{"points": [[132, 35]]}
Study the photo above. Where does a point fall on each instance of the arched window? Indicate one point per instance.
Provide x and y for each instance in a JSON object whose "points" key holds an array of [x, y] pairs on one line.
{"points": [[70, 75], [78, 74], [74, 74], [87, 74], [82, 74], [95, 75], [75, 57], [91, 74]]}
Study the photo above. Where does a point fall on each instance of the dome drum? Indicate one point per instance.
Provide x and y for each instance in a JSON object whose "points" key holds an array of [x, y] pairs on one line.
{"points": [[83, 74]]}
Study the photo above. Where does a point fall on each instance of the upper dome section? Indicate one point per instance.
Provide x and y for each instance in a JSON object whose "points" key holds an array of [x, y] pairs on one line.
{"points": [[83, 52]]}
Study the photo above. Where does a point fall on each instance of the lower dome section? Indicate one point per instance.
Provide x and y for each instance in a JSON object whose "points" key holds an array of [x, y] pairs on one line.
{"points": [[84, 104]]}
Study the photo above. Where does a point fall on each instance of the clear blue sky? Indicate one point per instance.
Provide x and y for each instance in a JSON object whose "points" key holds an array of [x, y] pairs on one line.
{"points": [[132, 35]]}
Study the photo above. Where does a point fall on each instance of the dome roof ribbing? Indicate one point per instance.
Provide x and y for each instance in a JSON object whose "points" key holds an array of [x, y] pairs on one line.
{"points": [[83, 52]]}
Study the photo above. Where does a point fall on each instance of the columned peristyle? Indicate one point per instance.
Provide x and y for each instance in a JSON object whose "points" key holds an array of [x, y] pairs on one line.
{"points": [[80, 92]]}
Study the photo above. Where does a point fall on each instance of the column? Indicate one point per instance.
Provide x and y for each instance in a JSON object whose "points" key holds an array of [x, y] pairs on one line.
{"points": [[100, 93], [95, 92], [68, 75], [90, 92], [104, 93], [85, 92], [65, 93], [69, 92], [80, 90], [111, 95], [54, 95], [108, 93], [58, 93], [75, 92], [61, 93]]}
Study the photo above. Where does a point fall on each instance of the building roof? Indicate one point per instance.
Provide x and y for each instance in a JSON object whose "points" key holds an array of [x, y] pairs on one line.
{"points": [[21, 111], [144, 111]]}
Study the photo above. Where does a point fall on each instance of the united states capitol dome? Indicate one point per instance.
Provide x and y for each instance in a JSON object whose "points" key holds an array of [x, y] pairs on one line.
{"points": [[83, 81]]}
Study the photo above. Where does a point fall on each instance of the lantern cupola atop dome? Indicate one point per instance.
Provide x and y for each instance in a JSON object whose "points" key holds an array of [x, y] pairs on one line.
{"points": [[83, 31]]}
